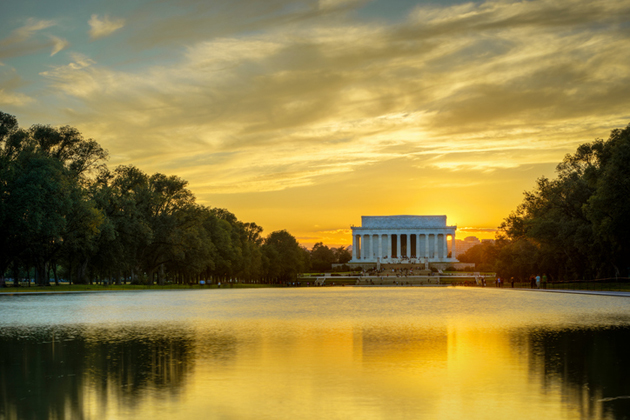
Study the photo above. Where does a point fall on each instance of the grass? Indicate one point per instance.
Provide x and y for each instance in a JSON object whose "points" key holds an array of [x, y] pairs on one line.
{"points": [[98, 287], [65, 287]]}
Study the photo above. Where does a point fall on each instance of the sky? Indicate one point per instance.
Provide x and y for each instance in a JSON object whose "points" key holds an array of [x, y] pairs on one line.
{"points": [[306, 115]]}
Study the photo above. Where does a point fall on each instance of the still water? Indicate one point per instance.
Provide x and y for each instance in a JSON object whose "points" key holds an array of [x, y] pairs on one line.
{"points": [[320, 353]]}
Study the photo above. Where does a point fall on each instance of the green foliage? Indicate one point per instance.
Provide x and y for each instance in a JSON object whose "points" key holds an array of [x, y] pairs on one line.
{"points": [[43, 202], [577, 225], [483, 255], [283, 256], [342, 255], [322, 257], [60, 206]]}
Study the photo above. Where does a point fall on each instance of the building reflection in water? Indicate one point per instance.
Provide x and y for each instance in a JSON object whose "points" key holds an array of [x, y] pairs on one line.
{"points": [[303, 369]]}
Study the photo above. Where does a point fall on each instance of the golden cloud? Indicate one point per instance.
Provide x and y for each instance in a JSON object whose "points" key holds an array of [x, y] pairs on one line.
{"points": [[102, 27], [478, 87]]}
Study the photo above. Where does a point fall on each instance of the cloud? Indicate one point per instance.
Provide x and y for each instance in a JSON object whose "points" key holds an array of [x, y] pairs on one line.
{"points": [[336, 4], [58, 44], [476, 88], [10, 83], [14, 98], [100, 28], [476, 229], [26, 31], [23, 40], [199, 20], [336, 232]]}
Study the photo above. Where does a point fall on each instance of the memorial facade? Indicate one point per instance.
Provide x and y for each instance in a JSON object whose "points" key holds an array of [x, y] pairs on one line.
{"points": [[400, 239]]}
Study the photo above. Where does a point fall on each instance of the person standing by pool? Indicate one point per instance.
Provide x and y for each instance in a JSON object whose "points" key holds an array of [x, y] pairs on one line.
{"points": [[544, 281], [538, 281]]}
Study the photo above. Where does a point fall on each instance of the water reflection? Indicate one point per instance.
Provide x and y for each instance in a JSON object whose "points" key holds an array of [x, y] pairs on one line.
{"points": [[589, 366], [239, 358], [77, 372]]}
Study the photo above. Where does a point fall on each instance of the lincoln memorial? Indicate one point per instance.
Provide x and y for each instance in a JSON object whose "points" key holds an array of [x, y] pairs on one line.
{"points": [[400, 239]]}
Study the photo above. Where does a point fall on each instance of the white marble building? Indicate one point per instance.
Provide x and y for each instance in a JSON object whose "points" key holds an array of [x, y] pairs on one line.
{"points": [[400, 239]]}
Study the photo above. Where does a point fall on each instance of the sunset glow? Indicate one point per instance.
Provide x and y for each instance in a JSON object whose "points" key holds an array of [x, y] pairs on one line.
{"points": [[305, 115]]}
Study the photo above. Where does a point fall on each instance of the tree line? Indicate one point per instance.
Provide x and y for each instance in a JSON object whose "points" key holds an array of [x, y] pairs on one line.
{"points": [[573, 227], [65, 214]]}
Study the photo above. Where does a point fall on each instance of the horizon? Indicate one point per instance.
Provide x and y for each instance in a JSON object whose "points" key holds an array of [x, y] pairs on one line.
{"points": [[305, 116]]}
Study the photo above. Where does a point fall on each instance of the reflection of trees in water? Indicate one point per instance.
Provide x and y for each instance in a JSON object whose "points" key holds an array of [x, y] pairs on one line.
{"points": [[40, 378], [48, 373], [590, 365], [127, 363]]}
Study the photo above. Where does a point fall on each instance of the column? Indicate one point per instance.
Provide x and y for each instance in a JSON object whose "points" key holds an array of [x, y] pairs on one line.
{"points": [[389, 246], [436, 256], [354, 247], [380, 246], [371, 256], [362, 257], [398, 245], [426, 245], [418, 245], [408, 252], [453, 253], [445, 247], [366, 250], [372, 250]]}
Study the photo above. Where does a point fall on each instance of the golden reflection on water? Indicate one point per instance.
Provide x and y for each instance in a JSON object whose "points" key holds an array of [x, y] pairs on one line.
{"points": [[347, 371], [390, 363]]}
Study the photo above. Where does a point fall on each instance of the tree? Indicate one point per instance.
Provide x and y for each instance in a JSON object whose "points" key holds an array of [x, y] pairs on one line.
{"points": [[342, 255], [322, 257], [283, 256], [61, 205], [608, 209], [578, 223], [43, 200]]}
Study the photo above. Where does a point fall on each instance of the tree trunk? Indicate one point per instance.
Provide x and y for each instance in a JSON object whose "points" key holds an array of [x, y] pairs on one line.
{"points": [[150, 277], [70, 275], [40, 273], [81, 273], [161, 275], [54, 269], [16, 275]]}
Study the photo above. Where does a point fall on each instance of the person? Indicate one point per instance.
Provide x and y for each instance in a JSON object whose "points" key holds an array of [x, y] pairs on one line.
{"points": [[538, 281], [512, 281], [544, 281]]}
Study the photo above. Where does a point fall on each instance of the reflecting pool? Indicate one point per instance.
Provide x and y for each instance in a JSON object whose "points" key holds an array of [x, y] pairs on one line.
{"points": [[318, 353]]}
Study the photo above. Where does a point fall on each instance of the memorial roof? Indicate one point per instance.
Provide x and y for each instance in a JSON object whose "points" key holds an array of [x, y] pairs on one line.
{"points": [[403, 221]]}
